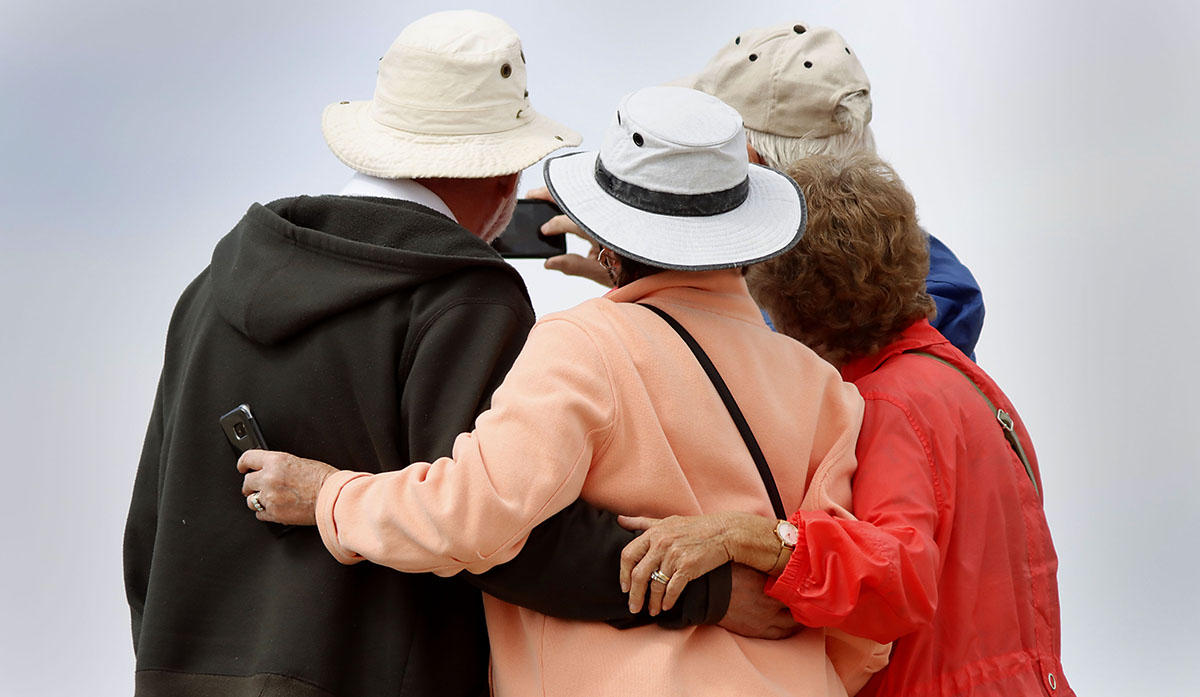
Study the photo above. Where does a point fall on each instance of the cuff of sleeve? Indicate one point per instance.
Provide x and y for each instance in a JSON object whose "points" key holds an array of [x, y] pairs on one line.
{"points": [[326, 523], [796, 575], [720, 587]]}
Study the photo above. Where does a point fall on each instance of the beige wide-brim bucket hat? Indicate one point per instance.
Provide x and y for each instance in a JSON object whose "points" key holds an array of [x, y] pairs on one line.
{"points": [[450, 101]]}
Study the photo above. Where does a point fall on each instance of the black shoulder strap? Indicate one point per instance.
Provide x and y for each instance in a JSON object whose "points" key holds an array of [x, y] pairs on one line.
{"points": [[726, 396]]}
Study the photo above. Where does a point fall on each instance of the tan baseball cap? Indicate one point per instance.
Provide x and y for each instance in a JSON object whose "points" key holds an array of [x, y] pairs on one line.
{"points": [[786, 79], [450, 101]]}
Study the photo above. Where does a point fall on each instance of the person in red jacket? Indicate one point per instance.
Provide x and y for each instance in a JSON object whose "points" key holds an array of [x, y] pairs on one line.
{"points": [[948, 553]]}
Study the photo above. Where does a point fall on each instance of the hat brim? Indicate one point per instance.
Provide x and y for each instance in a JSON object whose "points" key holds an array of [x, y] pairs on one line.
{"points": [[768, 223], [370, 147]]}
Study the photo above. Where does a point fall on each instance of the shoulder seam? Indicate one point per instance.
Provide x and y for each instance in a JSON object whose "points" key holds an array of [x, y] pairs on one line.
{"points": [[925, 445], [406, 358], [608, 374]]}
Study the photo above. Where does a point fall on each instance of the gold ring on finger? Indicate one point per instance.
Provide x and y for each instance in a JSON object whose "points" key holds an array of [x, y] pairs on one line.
{"points": [[659, 576]]}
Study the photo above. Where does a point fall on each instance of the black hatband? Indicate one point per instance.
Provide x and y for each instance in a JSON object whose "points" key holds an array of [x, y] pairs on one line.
{"points": [[665, 203]]}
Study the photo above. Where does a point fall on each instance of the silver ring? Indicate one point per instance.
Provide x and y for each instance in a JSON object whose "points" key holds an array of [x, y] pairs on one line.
{"points": [[659, 576], [256, 503]]}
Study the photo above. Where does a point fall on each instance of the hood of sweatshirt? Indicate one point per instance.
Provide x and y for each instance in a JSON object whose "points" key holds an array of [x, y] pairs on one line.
{"points": [[294, 262]]}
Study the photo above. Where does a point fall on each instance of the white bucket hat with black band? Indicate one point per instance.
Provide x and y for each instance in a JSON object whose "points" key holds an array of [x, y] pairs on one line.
{"points": [[672, 186], [450, 101]]}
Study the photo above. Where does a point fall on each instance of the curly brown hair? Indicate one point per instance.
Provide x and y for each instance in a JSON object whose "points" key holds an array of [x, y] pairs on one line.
{"points": [[857, 277]]}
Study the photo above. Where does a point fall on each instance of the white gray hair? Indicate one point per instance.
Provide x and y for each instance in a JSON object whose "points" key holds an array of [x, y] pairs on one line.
{"points": [[853, 112]]}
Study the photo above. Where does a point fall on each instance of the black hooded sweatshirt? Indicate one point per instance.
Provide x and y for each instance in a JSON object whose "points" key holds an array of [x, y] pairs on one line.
{"points": [[366, 333]]}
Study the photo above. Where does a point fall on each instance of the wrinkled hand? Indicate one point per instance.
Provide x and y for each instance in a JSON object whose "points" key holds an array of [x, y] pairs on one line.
{"points": [[572, 264], [752, 612], [287, 485], [681, 547]]}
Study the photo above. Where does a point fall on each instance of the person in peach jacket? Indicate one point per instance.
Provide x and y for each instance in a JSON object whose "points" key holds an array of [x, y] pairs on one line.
{"points": [[607, 403]]}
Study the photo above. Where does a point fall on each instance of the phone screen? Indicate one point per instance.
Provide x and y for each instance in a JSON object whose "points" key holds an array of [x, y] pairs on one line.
{"points": [[522, 239]]}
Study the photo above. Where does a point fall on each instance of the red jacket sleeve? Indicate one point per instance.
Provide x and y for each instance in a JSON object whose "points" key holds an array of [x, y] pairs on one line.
{"points": [[874, 576]]}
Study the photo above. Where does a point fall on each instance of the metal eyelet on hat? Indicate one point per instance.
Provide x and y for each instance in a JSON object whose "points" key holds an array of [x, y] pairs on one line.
{"points": [[558, 137], [343, 102], [527, 94], [799, 29], [522, 55], [505, 70], [618, 118], [847, 49], [753, 57], [737, 40], [808, 64], [638, 140], [519, 113]]}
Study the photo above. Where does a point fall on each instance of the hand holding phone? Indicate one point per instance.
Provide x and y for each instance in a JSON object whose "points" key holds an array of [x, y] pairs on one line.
{"points": [[243, 433]]}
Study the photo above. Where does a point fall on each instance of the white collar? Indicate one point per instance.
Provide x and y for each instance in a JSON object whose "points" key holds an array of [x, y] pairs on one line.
{"points": [[404, 189]]}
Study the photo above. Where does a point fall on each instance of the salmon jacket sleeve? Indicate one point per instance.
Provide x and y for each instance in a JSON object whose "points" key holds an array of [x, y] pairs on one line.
{"points": [[580, 543], [525, 461], [874, 576]]}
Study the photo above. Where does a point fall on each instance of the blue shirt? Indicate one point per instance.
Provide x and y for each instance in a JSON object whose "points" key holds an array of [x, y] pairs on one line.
{"points": [[957, 296]]}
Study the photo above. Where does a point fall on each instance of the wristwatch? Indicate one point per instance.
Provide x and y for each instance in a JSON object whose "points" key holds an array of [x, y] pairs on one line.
{"points": [[789, 536]]}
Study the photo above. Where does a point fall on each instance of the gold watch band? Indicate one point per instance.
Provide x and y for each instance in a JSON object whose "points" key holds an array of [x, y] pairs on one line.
{"points": [[781, 560]]}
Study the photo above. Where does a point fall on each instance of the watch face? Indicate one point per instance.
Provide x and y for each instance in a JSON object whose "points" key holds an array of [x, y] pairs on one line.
{"points": [[788, 533]]}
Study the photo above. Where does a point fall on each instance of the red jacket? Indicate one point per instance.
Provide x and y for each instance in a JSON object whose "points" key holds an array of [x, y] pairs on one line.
{"points": [[950, 556]]}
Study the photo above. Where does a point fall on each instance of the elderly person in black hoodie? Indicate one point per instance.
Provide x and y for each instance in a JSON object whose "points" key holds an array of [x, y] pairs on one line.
{"points": [[339, 319]]}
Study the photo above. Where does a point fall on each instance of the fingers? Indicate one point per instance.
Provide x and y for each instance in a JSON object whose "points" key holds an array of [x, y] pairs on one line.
{"points": [[657, 590], [251, 498], [589, 266], [674, 589], [576, 265], [782, 626], [254, 460], [630, 556], [562, 225], [251, 483], [789, 630], [631, 522], [542, 193], [639, 579]]}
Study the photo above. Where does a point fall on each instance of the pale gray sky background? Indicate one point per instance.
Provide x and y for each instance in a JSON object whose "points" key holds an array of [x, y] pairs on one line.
{"points": [[1052, 145]]}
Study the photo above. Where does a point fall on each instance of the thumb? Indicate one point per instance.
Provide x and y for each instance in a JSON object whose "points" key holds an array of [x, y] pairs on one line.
{"points": [[541, 193], [637, 522], [251, 460]]}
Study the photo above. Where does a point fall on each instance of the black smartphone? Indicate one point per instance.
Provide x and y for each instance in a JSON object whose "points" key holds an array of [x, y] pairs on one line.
{"points": [[523, 238], [243, 433], [242, 430]]}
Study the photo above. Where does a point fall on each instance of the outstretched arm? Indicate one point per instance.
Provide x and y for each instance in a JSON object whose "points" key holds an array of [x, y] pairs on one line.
{"points": [[526, 460], [874, 577], [568, 569], [568, 565]]}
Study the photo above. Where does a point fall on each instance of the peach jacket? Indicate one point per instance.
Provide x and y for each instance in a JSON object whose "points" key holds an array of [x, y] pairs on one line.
{"points": [[607, 403]]}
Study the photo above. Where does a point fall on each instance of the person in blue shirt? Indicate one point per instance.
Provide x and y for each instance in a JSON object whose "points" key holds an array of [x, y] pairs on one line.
{"points": [[801, 91]]}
